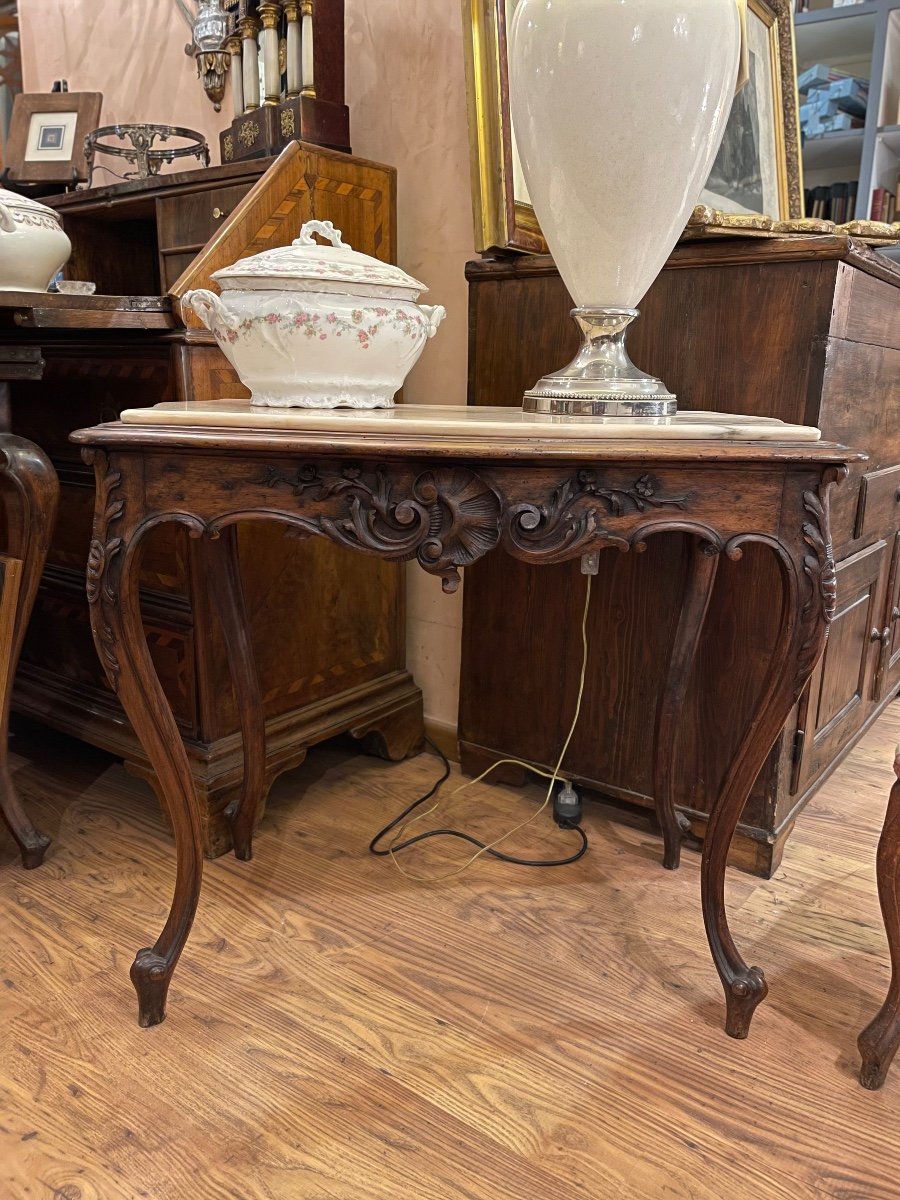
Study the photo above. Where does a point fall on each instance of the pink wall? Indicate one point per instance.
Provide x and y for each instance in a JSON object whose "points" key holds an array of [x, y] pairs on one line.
{"points": [[130, 50], [406, 91]]}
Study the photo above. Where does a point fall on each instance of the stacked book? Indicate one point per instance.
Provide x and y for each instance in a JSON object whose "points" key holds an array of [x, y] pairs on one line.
{"points": [[833, 202], [884, 205], [834, 101]]}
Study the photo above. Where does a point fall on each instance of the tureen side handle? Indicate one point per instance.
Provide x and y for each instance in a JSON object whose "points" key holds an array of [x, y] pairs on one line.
{"points": [[209, 308], [7, 224], [434, 314]]}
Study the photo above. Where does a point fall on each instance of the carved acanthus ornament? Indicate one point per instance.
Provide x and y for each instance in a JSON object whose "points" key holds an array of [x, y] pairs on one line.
{"points": [[819, 568], [451, 517], [448, 518], [104, 567], [574, 519]]}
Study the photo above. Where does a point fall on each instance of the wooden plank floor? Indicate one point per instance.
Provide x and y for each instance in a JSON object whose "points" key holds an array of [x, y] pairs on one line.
{"points": [[339, 1032]]}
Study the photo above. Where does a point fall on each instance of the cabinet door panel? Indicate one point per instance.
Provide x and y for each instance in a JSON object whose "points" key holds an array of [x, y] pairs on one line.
{"points": [[841, 686], [889, 668]]}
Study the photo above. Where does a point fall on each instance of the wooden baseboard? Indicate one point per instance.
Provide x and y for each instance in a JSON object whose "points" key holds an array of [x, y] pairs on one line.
{"points": [[445, 737]]}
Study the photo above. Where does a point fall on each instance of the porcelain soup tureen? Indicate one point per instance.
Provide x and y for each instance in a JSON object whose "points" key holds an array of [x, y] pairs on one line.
{"points": [[33, 246], [312, 326]]}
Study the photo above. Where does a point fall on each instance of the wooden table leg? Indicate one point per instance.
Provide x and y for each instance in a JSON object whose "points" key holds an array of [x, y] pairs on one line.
{"points": [[808, 599], [702, 568], [30, 495], [878, 1042], [114, 597], [224, 574]]}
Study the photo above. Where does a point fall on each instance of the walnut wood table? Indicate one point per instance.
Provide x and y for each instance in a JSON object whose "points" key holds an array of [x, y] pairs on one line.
{"points": [[445, 499]]}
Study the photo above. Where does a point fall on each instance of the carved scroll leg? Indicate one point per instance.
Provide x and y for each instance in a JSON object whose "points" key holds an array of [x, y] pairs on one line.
{"points": [[807, 573], [879, 1041], [704, 561], [224, 574], [119, 635], [30, 499]]}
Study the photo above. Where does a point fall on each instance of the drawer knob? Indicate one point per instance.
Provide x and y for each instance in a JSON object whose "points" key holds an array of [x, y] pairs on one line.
{"points": [[219, 213], [895, 614], [875, 635]]}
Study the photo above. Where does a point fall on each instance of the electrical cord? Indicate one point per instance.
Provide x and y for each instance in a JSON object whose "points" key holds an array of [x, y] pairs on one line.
{"points": [[406, 818], [467, 837]]}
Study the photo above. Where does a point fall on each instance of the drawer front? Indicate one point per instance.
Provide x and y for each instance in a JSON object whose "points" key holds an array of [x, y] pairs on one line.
{"points": [[878, 513], [173, 265], [192, 220]]}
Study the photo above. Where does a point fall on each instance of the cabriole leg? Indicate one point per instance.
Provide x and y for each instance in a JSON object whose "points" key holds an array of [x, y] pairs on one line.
{"points": [[878, 1042], [30, 495], [702, 568], [808, 598], [224, 574], [113, 594]]}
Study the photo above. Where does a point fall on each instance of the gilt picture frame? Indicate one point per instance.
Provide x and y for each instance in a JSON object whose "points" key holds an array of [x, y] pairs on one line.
{"points": [[758, 168], [765, 122]]}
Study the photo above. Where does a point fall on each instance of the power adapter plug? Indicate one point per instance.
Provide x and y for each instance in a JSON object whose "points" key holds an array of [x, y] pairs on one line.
{"points": [[567, 807]]}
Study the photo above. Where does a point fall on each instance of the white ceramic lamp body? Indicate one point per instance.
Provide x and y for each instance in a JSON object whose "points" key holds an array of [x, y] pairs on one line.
{"points": [[619, 108]]}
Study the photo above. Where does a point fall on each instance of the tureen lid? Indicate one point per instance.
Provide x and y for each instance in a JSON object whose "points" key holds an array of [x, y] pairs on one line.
{"points": [[14, 200], [306, 261]]}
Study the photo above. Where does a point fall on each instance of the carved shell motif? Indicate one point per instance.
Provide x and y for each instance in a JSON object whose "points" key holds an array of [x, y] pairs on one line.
{"points": [[464, 521]]}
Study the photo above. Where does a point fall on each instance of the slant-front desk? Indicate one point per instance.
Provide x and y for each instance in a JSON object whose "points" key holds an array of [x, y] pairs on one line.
{"points": [[340, 667]]}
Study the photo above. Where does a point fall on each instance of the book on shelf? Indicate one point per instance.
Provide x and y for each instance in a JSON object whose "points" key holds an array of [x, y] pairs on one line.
{"points": [[884, 205], [832, 202], [802, 6]]}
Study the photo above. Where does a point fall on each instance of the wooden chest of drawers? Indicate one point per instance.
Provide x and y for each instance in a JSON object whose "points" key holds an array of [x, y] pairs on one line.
{"points": [[808, 331]]}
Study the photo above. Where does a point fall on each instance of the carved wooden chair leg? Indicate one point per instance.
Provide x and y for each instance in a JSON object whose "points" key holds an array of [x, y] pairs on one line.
{"points": [[30, 495], [113, 594], [224, 573], [878, 1042], [702, 568]]}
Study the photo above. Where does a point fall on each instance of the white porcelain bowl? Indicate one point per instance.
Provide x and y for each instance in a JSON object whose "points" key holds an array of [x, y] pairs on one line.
{"points": [[308, 326]]}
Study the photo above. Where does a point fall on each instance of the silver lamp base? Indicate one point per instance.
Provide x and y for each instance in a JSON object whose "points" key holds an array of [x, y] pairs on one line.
{"points": [[601, 381]]}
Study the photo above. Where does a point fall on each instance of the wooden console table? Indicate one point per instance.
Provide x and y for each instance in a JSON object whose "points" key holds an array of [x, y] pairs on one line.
{"points": [[446, 499]]}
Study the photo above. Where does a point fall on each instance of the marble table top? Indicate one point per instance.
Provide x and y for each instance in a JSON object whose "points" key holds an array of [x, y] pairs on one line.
{"points": [[456, 419]]}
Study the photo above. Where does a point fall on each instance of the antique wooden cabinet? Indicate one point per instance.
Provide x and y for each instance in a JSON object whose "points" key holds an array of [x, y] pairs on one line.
{"points": [[807, 330], [327, 669]]}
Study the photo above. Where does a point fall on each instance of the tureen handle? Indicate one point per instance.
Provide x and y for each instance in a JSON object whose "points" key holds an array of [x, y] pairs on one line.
{"points": [[209, 308], [7, 224], [434, 314], [325, 229]]}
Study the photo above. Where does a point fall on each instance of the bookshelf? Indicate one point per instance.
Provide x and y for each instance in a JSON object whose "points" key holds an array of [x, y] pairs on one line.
{"points": [[862, 40]]}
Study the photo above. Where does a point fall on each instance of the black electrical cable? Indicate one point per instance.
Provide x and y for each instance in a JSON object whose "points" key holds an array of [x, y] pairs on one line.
{"points": [[465, 837]]}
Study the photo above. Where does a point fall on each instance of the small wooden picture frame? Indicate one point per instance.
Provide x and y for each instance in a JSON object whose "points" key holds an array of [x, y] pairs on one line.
{"points": [[46, 136]]}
